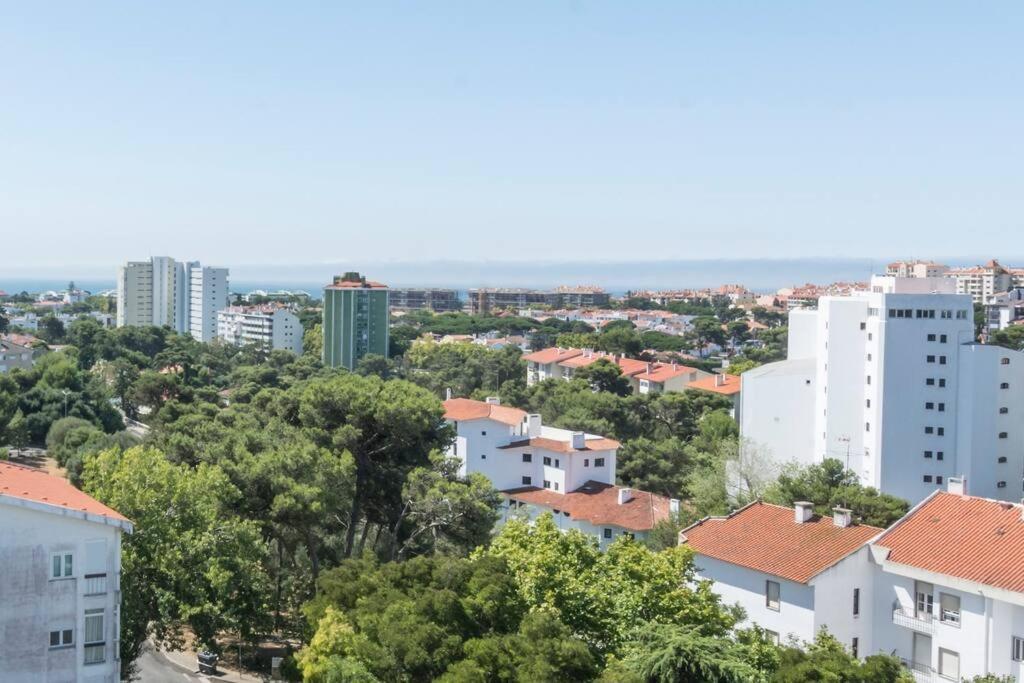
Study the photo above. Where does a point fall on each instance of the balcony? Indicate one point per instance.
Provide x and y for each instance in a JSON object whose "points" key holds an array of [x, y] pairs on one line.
{"points": [[923, 673], [922, 623], [95, 584]]}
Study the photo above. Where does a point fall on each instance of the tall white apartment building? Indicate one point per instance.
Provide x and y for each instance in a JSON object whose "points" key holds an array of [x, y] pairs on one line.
{"points": [[270, 326], [891, 382], [208, 293], [540, 470], [60, 556], [981, 282], [165, 292]]}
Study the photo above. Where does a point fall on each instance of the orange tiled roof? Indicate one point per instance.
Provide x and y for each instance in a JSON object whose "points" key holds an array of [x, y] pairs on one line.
{"points": [[599, 444], [598, 503], [459, 409], [552, 355], [661, 372], [963, 536], [730, 385], [25, 483], [766, 538], [355, 284]]}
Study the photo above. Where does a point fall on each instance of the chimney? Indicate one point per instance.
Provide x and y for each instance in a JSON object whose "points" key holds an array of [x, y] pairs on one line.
{"points": [[803, 511], [579, 440], [533, 425], [841, 517], [957, 486], [719, 380], [448, 394], [625, 495], [493, 400], [673, 506]]}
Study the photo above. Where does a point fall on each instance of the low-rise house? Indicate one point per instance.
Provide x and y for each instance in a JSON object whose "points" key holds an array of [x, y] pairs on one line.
{"points": [[644, 376], [546, 363], [541, 469], [792, 571], [723, 385], [661, 377], [14, 356], [1004, 309], [60, 555]]}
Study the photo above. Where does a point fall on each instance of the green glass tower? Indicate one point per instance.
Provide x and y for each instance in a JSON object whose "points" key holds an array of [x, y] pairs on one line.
{"points": [[355, 320]]}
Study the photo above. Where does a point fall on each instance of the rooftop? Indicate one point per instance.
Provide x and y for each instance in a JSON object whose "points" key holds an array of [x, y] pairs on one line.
{"points": [[768, 539], [462, 409], [24, 483], [354, 281], [660, 372], [598, 503], [719, 384], [552, 355], [970, 538]]}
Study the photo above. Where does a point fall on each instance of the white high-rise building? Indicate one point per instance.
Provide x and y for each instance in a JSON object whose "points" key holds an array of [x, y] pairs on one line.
{"points": [[270, 326], [892, 382], [165, 292]]}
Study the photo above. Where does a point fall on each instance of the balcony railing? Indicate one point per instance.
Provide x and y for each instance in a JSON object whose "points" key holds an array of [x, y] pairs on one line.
{"points": [[95, 584], [922, 623], [923, 673]]}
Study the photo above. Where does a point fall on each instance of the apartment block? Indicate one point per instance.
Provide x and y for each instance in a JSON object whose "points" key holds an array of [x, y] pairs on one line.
{"points": [[891, 382], [271, 327], [982, 282], [168, 293], [355, 320], [540, 470], [208, 293], [419, 299], [60, 555], [487, 300]]}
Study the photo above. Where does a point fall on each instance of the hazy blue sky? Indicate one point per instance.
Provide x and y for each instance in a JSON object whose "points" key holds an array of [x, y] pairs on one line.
{"points": [[300, 132]]}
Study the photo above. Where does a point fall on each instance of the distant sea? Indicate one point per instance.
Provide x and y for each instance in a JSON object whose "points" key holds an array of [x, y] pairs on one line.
{"points": [[617, 277]]}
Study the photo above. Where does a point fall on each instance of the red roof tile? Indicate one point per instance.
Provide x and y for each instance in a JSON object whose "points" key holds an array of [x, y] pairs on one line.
{"points": [[459, 409], [661, 372], [598, 444], [970, 538], [25, 483], [730, 384], [766, 538], [598, 503], [552, 355]]}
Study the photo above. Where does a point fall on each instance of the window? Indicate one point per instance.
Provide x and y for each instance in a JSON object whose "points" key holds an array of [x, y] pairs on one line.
{"points": [[1000, 484], [927, 478], [556, 485], [1017, 648], [942, 339], [854, 647], [547, 460], [94, 642], [527, 457], [931, 337], [942, 360], [869, 379], [483, 456], [484, 433], [867, 403], [62, 565], [772, 636], [942, 382], [547, 484], [1001, 459], [942, 407], [607, 532], [527, 481], [949, 661], [1004, 385], [870, 336], [939, 455], [867, 426], [930, 359], [558, 463], [949, 609], [938, 479], [863, 325], [929, 430], [771, 595], [946, 315], [586, 462], [929, 406], [927, 454], [961, 315], [930, 381], [1004, 410], [598, 462], [1004, 361], [1003, 435], [62, 638], [941, 431], [856, 602]]}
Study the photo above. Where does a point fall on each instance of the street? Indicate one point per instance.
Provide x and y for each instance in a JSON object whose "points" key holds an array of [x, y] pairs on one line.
{"points": [[154, 668]]}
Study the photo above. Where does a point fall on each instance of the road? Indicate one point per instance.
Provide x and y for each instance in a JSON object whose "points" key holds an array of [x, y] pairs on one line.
{"points": [[153, 668]]}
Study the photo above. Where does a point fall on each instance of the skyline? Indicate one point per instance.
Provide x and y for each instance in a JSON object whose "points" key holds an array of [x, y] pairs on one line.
{"points": [[578, 131]]}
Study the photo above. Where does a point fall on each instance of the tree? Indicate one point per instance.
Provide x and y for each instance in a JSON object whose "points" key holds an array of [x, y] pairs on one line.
{"points": [[373, 364], [827, 660], [313, 341], [1011, 338], [4, 323], [190, 561], [667, 653], [51, 329], [730, 475], [829, 485], [707, 330], [604, 375], [17, 431], [152, 389]]}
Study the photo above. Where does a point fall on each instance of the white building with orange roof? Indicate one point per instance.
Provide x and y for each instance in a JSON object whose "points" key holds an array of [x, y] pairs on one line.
{"points": [[660, 377], [60, 556], [542, 469], [981, 282], [792, 572], [546, 363], [722, 384]]}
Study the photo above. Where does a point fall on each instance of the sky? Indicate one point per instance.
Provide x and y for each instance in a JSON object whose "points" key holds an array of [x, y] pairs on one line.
{"points": [[312, 132]]}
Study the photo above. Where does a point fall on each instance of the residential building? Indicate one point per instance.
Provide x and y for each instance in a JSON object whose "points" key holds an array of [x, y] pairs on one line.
{"points": [[487, 300], [208, 294], [982, 282], [355, 320], [14, 356], [1004, 309], [792, 571], [169, 293], [270, 326], [424, 298], [541, 469], [660, 377], [897, 389], [916, 268], [643, 376], [722, 384], [60, 555]]}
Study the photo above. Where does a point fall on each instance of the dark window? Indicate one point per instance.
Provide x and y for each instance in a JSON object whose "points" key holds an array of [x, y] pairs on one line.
{"points": [[607, 532], [547, 460], [586, 462], [1004, 410], [867, 426], [1003, 435], [483, 433], [1000, 484], [927, 478], [929, 430], [942, 382], [1004, 385], [854, 648], [483, 456], [931, 337], [930, 359], [930, 381], [856, 601], [547, 484], [942, 407], [941, 431], [598, 462], [942, 360], [939, 455], [863, 325], [527, 457], [929, 406], [558, 463], [938, 479], [1004, 361], [1001, 459], [867, 403], [527, 481], [942, 339], [927, 454]]}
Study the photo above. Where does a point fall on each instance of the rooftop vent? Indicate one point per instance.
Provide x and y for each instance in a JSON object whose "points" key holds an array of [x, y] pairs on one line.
{"points": [[493, 400], [842, 517], [579, 440], [957, 486], [625, 495], [803, 511]]}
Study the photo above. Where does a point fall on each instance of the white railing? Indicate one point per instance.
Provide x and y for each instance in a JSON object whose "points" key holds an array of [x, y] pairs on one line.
{"points": [[924, 623], [95, 584]]}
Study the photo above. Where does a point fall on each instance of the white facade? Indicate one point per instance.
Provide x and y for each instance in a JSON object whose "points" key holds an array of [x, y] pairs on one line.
{"points": [[165, 292], [901, 393], [14, 356], [271, 327], [60, 598]]}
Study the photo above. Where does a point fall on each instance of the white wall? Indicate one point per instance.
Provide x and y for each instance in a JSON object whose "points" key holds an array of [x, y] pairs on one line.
{"points": [[778, 407], [835, 610]]}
